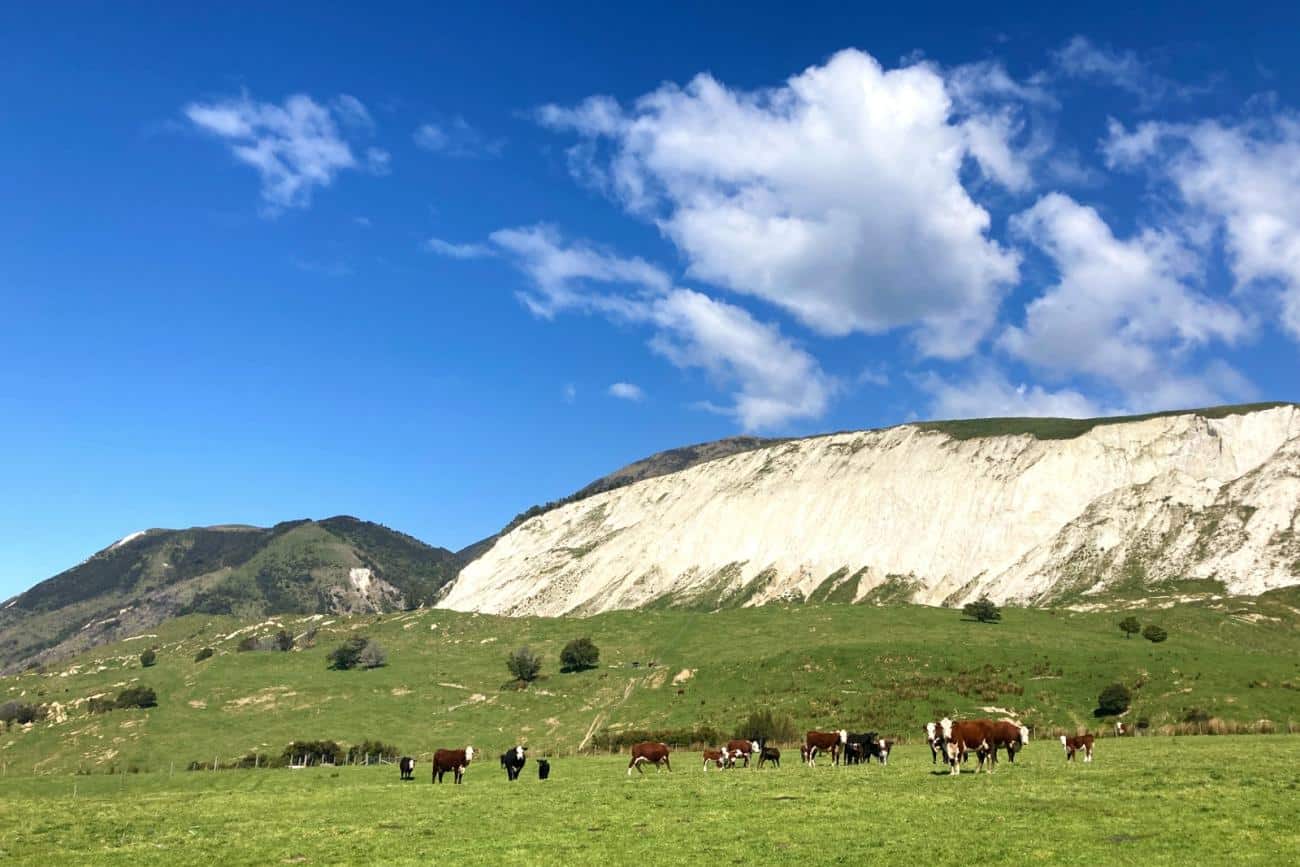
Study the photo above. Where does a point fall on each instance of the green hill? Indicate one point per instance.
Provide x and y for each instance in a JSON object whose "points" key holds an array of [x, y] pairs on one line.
{"points": [[859, 666], [294, 567]]}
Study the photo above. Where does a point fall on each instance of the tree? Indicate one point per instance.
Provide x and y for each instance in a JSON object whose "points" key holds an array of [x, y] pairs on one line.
{"points": [[137, 696], [1113, 700], [524, 664], [579, 654], [983, 610], [348, 654], [1154, 634], [373, 655], [148, 658], [1130, 626], [767, 725], [203, 654]]}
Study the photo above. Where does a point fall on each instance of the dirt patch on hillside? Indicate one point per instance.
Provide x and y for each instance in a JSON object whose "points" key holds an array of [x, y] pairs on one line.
{"points": [[261, 700]]}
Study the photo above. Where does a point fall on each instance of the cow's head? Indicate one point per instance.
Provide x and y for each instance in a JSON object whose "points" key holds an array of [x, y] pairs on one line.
{"points": [[1064, 743], [945, 726], [931, 732], [844, 736], [469, 754], [755, 748], [1024, 735], [519, 753]]}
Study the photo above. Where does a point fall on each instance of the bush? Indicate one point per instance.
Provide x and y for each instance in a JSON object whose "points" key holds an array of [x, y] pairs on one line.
{"points": [[1196, 715], [136, 696], [767, 725], [983, 610], [283, 641], [100, 704], [1154, 633], [373, 655], [148, 658], [371, 751], [1130, 626], [524, 665], [579, 654], [312, 753], [1113, 700], [203, 654], [21, 713], [247, 644]]}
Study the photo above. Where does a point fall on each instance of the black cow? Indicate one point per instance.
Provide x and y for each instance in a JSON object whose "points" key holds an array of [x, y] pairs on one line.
{"points": [[769, 754], [543, 769], [513, 761], [880, 751], [407, 766], [859, 747]]}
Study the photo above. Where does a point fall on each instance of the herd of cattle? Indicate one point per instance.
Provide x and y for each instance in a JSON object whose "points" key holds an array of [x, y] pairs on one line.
{"points": [[954, 740]]}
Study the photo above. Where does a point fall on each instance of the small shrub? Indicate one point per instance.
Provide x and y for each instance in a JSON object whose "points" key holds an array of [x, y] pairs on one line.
{"points": [[1113, 700], [1154, 633], [348, 654], [371, 751], [21, 713], [373, 655], [136, 696], [983, 610], [1130, 626], [205, 653], [99, 704], [148, 659], [579, 654], [283, 641], [312, 753], [247, 644], [524, 665], [1196, 715]]}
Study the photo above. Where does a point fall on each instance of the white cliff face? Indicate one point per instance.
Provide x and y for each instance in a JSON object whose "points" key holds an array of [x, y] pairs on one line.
{"points": [[906, 513]]}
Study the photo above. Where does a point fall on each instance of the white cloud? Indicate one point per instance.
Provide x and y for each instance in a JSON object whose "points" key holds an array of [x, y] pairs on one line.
{"points": [[1246, 178], [626, 391], [1124, 311], [456, 138], [353, 112], [1083, 59], [569, 392], [295, 147], [987, 393], [797, 194], [458, 251], [379, 161], [771, 381]]}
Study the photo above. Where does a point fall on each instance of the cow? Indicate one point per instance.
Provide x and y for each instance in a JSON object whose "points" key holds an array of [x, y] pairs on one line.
{"points": [[858, 746], [1075, 744], [962, 736], [740, 748], [718, 757], [1123, 728], [406, 765], [935, 739], [649, 751], [455, 761], [543, 769], [769, 754], [1007, 734], [815, 741], [880, 751], [513, 761]]}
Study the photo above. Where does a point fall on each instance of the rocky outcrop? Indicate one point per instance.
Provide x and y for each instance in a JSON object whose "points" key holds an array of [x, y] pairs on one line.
{"points": [[914, 513]]}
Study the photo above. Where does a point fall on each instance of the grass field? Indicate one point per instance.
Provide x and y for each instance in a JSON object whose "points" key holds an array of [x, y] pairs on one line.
{"points": [[1211, 800], [863, 667]]}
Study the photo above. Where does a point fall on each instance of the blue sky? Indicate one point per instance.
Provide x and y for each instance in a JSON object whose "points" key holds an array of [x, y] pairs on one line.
{"points": [[429, 266]]}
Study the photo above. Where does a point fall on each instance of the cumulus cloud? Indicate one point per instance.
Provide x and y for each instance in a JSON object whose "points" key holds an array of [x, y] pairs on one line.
{"points": [[988, 393], [797, 194], [1123, 310], [295, 147], [456, 138], [626, 391], [771, 380], [1246, 178]]}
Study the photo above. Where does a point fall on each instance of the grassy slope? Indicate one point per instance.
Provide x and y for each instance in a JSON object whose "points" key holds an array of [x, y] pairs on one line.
{"points": [[858, 666], [1143, 801], [1069, 428]]}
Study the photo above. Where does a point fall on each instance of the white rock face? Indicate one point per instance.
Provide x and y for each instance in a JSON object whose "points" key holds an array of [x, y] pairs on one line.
{"points": [[906, 513]]}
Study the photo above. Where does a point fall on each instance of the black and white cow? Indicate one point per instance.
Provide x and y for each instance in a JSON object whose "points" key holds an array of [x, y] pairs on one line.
{"points": [[858, 747], [513, 761], [406, 765], [880, 751]]}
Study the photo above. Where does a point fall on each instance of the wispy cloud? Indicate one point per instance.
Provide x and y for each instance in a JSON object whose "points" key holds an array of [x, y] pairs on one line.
{"points": [[456, 138], [1081, 58], [458, 251], [626, 391]]}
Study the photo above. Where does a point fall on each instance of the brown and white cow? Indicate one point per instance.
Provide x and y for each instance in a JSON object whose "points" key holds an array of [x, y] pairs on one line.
{"points": [[649, 751], [1010, 735], [1122, 729], [963, 735], [832, 742], [1075, 744], [455, 761], [740, 748], [718, 757]]}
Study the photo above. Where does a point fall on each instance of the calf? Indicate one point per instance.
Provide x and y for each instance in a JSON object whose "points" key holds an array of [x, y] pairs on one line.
{"points": [[406, 765], [880, 751], [964, 735], [543, 769], [741, 748], [455, 761], [718, 757], [513, 761], [1122, 729], [769, 754], [649, 751], [1075, 744], [857, 747], [833, 742]]}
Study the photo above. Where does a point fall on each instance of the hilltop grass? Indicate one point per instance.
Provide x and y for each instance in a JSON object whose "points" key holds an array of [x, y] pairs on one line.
{"points": [[1153, 801], [1069, 428], [864, 667]]}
